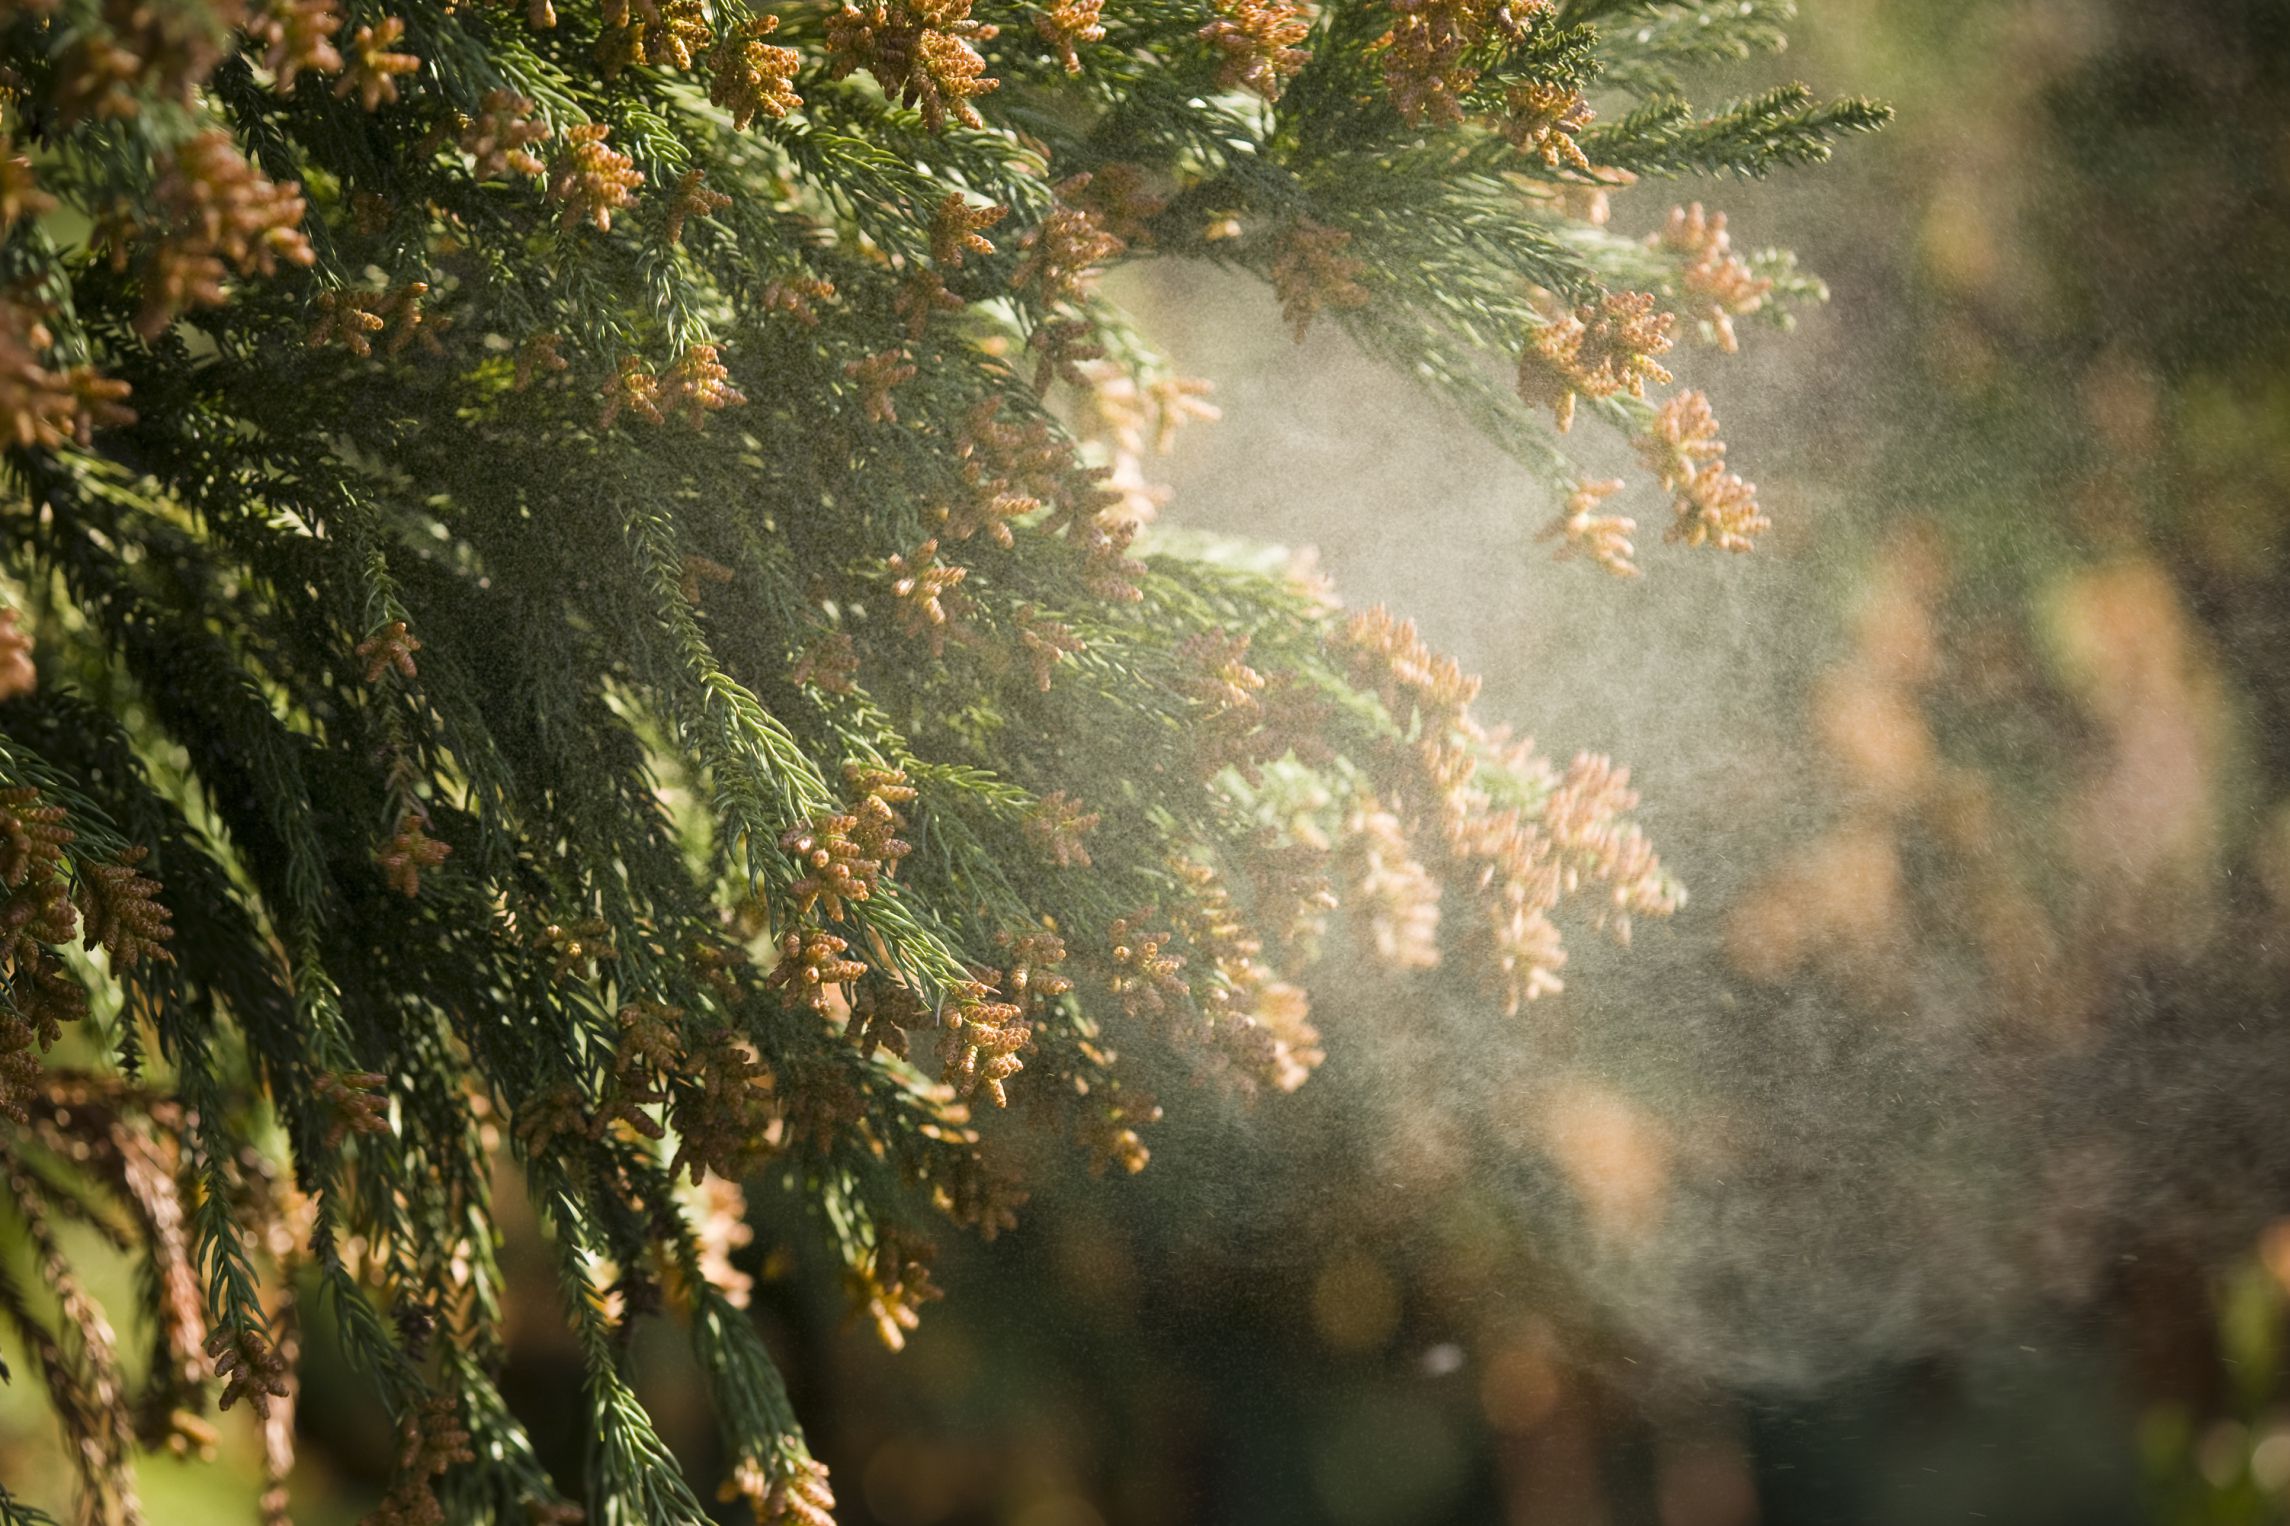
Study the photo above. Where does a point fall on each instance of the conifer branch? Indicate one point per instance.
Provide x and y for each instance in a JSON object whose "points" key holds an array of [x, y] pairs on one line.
{"points": [[591, 562]]}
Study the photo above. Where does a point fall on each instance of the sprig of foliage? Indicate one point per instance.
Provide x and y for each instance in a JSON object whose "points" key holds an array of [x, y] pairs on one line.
{"points": [[589, 596]]}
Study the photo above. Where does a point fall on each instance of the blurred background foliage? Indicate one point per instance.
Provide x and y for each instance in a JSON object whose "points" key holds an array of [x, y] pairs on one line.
{"points": [[1932, 1166]]}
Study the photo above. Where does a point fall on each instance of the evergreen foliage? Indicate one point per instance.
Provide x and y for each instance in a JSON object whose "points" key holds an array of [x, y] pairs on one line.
{"points": [[579, 598]]}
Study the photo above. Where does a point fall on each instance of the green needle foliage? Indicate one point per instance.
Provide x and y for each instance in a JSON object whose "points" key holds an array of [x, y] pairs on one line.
{"points": [[577, 597]]}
